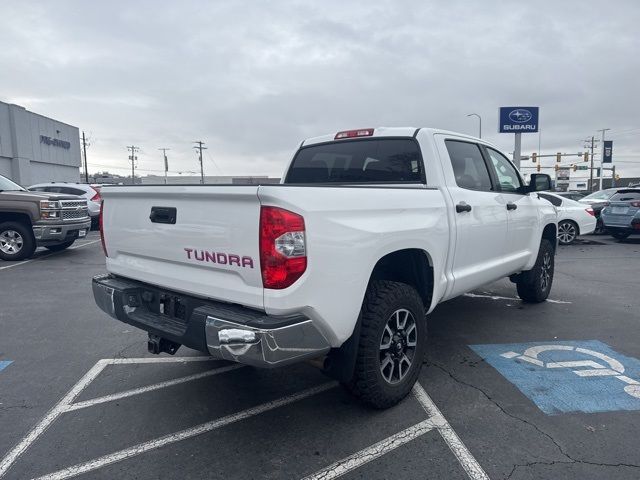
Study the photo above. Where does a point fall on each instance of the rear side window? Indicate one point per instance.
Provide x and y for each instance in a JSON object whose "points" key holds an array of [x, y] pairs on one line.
{"points": [[626, 196], [554, 200], [468, 166], [72, 191], [359, 161]]}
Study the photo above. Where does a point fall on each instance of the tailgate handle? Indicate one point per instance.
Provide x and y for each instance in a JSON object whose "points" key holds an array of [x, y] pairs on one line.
{"points": [[163, 215]]}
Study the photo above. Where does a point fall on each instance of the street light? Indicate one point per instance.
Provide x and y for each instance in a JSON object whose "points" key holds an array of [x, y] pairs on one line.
{"points": [[480, 119]]}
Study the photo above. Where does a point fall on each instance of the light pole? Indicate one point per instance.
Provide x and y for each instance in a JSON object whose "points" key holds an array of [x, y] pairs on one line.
{"points": [[479, 119]]}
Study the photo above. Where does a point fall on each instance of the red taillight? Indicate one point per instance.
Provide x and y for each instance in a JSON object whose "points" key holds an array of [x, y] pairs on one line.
{"points": [[96, 197], [363, 132], [635, 204], [101, 223], [590, 211], [283, 256]]}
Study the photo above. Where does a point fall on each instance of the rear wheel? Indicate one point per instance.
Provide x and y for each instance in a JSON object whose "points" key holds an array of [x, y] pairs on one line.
{"points": [[620, 235], [567, 232], [16, 241], [392, 344], [534, 285], [61, 246]]}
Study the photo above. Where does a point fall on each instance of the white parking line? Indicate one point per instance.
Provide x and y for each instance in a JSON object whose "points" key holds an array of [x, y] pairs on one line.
{"points": [[150, 388], [371, 453], [497, 297], [74, 247], [435, 420], [50, 417], [182, 435], [462, 453]]}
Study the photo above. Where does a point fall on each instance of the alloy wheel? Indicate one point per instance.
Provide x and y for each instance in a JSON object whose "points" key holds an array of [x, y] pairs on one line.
{"points": [[398, 345], [545, 271], [566, 232], [11, 242]]}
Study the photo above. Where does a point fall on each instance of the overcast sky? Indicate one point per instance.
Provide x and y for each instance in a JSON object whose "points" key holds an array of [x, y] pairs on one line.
{"points": [[252, 79]]}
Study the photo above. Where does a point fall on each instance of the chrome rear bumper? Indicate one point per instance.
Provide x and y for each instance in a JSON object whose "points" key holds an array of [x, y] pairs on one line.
{"points": [[264, 347]]}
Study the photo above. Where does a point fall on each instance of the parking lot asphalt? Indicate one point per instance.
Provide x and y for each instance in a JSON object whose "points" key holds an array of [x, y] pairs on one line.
{"points": [[135, 416]]}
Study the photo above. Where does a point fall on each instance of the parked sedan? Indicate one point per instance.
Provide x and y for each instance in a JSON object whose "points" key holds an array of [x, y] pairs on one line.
{"points": [[572, 195], [574, 218], [598, 200], [90, 192], [621, 217]]}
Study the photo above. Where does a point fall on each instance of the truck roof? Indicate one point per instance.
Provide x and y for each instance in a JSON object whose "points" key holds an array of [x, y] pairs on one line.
{"points": [[386, 132]]}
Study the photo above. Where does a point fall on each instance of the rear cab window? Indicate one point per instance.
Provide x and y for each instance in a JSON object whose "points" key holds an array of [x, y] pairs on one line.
{"points": [[626, 196], [372, 161]]}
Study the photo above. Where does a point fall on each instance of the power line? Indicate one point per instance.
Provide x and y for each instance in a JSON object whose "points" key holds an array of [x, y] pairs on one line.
{"points": [[200, 147], [214, 163]]}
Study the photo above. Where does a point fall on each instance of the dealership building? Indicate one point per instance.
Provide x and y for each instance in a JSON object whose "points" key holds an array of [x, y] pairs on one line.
{"points": [[36, 149]]}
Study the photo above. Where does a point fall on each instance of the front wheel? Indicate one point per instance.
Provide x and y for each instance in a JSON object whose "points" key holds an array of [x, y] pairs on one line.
{"points": [[60, 246], [16, 241], [393, 334], [534, 285]]}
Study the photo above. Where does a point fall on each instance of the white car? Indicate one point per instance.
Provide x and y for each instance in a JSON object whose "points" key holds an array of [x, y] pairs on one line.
{"points": [[368, 232], [90, 192], [574, 218]]}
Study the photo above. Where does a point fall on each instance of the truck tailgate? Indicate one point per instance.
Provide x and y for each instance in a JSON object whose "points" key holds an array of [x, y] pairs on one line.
{"points": [[202, 240]]}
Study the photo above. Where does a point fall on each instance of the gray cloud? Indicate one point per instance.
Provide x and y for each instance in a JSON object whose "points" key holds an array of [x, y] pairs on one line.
{"points": [[252, 79]]}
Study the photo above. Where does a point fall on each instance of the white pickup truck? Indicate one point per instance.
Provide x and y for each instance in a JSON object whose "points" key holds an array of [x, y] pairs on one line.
{"points": [[369, 230]]}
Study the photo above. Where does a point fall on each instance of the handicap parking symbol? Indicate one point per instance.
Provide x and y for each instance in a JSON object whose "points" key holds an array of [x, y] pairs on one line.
{"points": [[568, 376]]}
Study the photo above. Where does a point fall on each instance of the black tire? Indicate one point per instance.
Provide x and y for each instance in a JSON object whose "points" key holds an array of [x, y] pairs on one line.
{"points": [[534, 285], [568, 231], [61, 246], [16, 241], [620, 235], [381, 303]]}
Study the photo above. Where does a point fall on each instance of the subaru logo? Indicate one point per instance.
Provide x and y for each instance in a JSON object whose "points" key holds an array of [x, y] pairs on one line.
{"points": [[520, 115]]}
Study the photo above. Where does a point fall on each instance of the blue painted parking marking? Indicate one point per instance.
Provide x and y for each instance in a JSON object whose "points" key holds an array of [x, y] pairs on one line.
{"points": [[568, 376], [4, 364]]}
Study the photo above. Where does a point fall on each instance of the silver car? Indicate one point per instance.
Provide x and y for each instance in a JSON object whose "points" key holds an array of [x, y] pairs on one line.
{"points": [[90, 192]]}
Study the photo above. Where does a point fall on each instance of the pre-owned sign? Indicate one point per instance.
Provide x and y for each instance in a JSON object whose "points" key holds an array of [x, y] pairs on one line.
{"points": [[55, 142], [518, 119]]}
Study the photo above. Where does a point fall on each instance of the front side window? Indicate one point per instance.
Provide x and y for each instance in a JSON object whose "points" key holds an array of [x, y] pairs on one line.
{"points": [[468, 165], [508, 177]]}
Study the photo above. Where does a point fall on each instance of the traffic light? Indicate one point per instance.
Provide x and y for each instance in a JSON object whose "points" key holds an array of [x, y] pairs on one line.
{"points": [[534, 157], [586, 156], [558, 157], [538, 167], [557, 167], [574, 167], [617, 177]]}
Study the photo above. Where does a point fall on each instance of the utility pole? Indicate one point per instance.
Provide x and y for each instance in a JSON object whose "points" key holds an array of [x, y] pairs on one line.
{"points": [[166, 163], [86, 165], [133, 158], [590, 144], [602, 156], [200, 148]]}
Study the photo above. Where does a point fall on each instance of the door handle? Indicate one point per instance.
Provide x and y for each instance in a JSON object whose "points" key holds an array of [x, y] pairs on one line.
{"points": [[463, 207], [511, 206], [163, 215]]}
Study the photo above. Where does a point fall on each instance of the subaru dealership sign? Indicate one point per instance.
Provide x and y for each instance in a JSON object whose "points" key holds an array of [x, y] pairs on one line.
{"points": [[518, 119]]}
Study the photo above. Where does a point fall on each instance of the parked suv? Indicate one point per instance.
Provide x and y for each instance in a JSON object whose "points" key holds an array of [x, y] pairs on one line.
{"points": [[621, 217], [38, 219], [89, 192], [598, 200]]}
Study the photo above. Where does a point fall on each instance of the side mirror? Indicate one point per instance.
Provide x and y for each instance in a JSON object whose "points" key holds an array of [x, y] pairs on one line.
{"points": [[540, 182]]}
